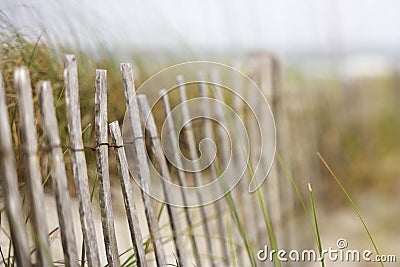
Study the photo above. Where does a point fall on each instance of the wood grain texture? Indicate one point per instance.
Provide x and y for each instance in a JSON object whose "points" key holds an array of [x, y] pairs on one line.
{"points": [[101, 132], [198, 177], [58, 174], [127, 191], [181, 174], [158, 152], [9, 182], [141, 161], [78, 160], [32, 175]]}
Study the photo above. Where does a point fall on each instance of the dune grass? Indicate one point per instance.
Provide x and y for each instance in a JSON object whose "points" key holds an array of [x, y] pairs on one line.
{"points": [[319, 243], [44, 62], [353, 205], [266, 217]]}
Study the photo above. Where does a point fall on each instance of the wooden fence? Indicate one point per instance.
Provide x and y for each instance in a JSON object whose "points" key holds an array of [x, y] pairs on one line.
{"points": [[218, 241]]}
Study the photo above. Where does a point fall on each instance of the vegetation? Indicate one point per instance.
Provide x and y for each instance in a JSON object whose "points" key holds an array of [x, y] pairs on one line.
{"points": [[354, 136]]}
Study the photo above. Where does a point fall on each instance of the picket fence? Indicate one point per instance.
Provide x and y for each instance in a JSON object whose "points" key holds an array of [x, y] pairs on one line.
{"points": [[189, 248]]}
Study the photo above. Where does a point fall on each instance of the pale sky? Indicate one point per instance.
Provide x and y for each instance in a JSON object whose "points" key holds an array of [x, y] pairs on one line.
{"points": [[282, 26]]}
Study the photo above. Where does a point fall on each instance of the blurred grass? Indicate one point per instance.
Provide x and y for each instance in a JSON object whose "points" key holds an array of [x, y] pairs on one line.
{"points": [[45, 62], [356, 121], [353, 121]]}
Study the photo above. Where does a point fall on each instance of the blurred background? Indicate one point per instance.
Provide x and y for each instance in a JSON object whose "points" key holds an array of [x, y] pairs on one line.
{"points": [[335, 77]]}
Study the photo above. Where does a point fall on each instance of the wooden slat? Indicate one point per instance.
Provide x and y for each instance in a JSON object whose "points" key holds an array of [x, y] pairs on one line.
{"points": [[181, 174], [229, 152], [58, 174], [246, 201], [78, 159], [9, 182], [100, 104], [265, 81], [161, 161], [141, 161], [225, 145], [287, 150], [208, 133], [239, 156], [281, 190], [32, 174], [198, 177], [253, 135], [127, 191]]}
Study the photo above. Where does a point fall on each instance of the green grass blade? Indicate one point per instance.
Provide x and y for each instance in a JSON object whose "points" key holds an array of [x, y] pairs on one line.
{"points": [[14, 114], [299, 196], [268, 224], [86, 127], [234, 213], [232, 245], [34, 50], [59, 97], [242, 230], [319, 243], [83, 252], [355, 208], [267, 220], [160, 212]]}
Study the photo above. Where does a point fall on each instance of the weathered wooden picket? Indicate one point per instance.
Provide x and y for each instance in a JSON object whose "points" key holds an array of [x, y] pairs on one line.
{"points": [[218, 251]]}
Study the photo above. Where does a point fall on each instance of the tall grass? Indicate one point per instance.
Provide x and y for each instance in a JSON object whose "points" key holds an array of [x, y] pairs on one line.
{"points": [[354, 206], [267, 221], [45, 62], [319, 243]]}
